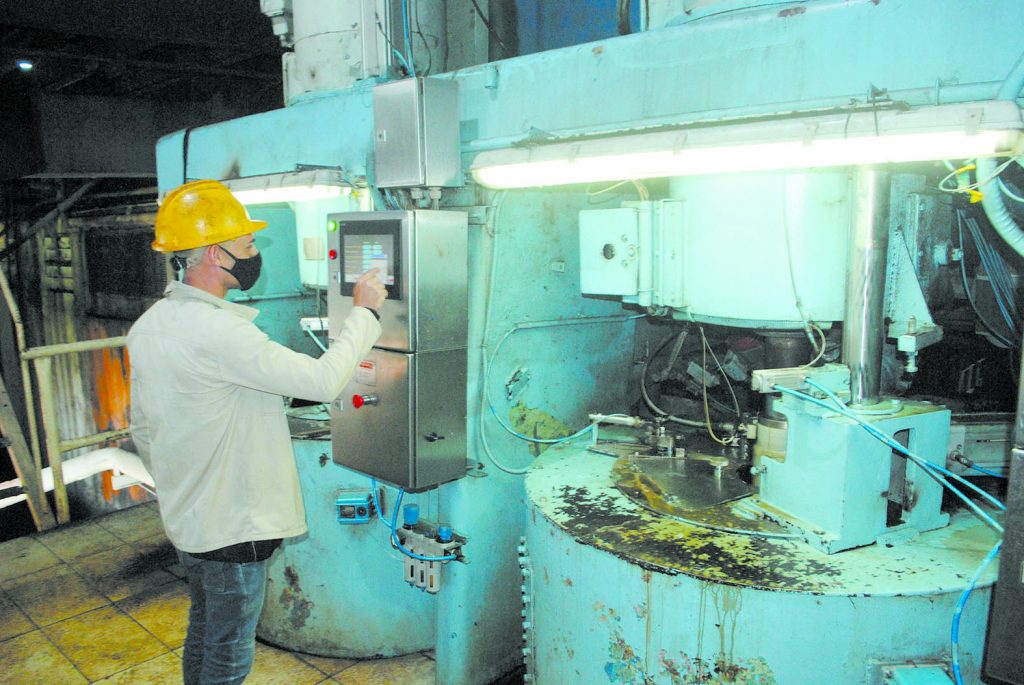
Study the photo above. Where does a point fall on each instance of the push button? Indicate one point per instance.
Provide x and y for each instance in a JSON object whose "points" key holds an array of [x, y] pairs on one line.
{"points": [[359, 400]]}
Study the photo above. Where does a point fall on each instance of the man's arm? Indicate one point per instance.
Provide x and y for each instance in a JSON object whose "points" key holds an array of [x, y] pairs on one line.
{"points": [[249, 358]]}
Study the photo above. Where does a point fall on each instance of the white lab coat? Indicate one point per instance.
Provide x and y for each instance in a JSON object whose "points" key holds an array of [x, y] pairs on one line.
{"points": [[207, 415]]}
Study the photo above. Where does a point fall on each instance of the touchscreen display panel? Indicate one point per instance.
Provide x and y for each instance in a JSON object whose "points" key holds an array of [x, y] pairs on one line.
{"points": [[369, 251]]}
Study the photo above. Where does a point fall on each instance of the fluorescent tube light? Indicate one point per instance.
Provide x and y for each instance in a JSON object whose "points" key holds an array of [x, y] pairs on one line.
{"points": [[861, 138], [298, 186]]}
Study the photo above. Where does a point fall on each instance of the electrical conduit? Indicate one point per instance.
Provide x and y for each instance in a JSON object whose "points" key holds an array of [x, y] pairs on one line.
{"points": [[992, 198]]}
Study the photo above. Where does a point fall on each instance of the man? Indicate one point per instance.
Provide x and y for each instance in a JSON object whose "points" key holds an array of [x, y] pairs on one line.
{"points": [[208, 419]]}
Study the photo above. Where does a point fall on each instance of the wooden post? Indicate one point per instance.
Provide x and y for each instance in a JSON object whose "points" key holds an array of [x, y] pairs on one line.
{"points": [[51, 433], [21, 458], [26, 378]]}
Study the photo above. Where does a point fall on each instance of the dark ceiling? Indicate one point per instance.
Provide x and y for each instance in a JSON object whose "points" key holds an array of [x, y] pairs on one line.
{"points": [[173, 57], [150, 49]]}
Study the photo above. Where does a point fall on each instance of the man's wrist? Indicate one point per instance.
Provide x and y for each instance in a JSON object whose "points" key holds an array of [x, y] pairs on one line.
{"points": [[373, 311]]}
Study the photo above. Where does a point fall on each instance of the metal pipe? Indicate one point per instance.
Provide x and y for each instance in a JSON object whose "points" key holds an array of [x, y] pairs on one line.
{"points": [[85, 466], [863, 325], [94, 439], [45, 351]]}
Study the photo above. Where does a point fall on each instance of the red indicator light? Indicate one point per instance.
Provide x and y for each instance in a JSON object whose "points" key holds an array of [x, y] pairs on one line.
{"points": [[332, 254], [357, 400]]}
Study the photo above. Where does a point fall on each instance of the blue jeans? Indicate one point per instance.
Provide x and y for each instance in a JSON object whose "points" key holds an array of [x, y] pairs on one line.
{"points": [[226, 602]]}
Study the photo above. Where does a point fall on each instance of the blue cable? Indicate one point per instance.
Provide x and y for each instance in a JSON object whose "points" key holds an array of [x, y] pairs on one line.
{"points": [[408, 42], [900, 448], [967, 291], [996, 282], [888, 440], [985, 471], [994, 277], [999, 278], [954, 631], [402, 60]]}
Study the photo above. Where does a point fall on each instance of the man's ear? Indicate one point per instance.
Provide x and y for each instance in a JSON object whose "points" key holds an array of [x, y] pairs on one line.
{"points": [[213, 255]]}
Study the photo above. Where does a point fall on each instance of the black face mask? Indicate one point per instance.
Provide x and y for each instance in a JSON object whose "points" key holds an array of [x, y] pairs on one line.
{"points": [[245, 271]]}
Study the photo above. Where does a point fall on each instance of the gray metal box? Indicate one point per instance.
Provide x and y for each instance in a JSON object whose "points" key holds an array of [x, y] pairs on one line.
{"points": [[416, 134], [413, 434], [402, 418], [425, 252]]}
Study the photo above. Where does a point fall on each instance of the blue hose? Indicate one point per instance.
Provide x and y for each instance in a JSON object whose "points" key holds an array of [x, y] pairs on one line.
{"points": [[999, 277], [985, 471], [394, 522], [954, 631], [409, 63], [398, 543]]}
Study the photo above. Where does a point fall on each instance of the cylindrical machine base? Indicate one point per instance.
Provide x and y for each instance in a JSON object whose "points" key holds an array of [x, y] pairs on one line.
{"points": [[339, 591], [655, 600]]}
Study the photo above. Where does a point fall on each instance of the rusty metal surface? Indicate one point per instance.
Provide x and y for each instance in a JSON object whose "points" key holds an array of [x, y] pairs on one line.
{"points": [[691, 493], [576, 490], [339, 591]]}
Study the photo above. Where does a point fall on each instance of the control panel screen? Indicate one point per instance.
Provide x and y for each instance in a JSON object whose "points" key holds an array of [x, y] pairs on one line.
{"points": [[365, 252], [369, 245]]}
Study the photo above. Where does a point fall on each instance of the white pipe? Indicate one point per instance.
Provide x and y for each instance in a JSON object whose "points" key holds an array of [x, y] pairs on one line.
{"points": [[992, 198], [114, 459]]}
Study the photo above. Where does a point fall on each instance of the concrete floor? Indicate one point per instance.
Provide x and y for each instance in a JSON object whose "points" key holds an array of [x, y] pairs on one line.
{"points": [[103, 601]]}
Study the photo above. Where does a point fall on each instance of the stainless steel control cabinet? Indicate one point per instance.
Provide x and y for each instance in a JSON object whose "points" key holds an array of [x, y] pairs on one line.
{"points": [[402, 418], [416, 134]]}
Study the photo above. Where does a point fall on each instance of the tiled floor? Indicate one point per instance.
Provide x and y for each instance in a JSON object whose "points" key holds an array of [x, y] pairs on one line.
{"points": [[103, 601]]}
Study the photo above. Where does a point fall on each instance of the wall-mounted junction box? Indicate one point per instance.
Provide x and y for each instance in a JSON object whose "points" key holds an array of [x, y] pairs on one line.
{"points": [[354, 506], [416, 134]]}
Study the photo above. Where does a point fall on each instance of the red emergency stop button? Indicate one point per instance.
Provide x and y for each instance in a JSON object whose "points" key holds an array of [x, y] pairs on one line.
{"points": [[359, 400]]}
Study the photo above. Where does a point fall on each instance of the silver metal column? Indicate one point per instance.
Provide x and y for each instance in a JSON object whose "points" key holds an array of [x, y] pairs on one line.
{"points": [[863, 327]]}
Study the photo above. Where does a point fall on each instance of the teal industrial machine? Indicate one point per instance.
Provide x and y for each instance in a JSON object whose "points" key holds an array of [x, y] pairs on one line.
{"points": [[661, 312]]}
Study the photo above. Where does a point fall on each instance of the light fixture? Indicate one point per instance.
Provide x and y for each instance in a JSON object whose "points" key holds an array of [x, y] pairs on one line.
{"points": [[24, 65], [295, 186], [932, 133]]}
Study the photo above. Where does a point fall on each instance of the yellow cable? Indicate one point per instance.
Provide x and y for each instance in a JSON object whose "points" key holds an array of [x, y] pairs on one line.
{"points": [[821, 352], [704, 384]]}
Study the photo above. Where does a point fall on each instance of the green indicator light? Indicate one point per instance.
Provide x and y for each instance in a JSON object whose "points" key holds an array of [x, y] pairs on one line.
{"points": [[332, 226]]}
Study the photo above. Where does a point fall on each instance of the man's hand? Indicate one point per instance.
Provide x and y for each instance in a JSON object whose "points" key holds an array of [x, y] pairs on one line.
{"points": [[369, 291]]}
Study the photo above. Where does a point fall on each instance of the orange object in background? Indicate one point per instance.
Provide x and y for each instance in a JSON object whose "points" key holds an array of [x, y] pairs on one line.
{"points": [[111, 368]]}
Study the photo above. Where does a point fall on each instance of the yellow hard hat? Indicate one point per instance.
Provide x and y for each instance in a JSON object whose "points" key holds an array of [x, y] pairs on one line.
{"points": [[201, 213]]}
